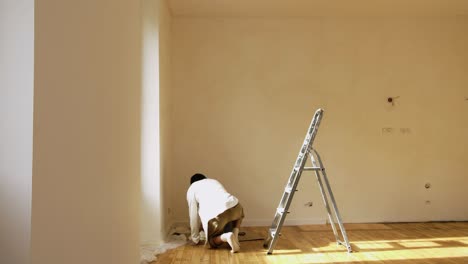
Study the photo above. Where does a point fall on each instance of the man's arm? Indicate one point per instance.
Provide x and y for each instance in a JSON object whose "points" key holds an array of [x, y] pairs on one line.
{"points": [[194, 219]]}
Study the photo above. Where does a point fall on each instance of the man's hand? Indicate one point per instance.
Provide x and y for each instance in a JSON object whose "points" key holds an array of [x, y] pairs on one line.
{"points": [[202, 236]]}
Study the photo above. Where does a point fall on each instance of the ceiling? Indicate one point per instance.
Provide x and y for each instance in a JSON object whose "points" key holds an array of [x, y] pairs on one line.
{"points": [[307, 8]]}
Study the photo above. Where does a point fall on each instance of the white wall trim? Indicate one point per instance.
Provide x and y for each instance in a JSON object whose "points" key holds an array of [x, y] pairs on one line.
{"points": [[262, 222], [287, 222], [169, 229]]}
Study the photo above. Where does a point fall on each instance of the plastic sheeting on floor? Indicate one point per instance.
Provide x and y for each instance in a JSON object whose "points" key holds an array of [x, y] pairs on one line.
{"points": [[148, 253]]}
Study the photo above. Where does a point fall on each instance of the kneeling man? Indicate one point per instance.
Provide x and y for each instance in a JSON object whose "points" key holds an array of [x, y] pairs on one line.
{"points": [[220, 212]]}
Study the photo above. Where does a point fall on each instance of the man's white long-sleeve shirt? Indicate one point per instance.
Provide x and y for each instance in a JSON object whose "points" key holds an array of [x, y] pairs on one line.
{"points": [[207, 198]]}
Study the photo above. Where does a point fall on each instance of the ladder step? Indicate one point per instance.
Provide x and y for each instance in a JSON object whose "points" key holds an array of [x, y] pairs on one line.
{"points": [[313, 168]]}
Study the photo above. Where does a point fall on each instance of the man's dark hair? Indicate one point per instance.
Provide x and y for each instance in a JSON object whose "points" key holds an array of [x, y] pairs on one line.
{"points": [[197, 177]]}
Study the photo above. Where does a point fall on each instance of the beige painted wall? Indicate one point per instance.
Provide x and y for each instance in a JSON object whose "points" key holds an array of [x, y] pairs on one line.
{"points": [[86, 159], [245, 90], [16, 128]]}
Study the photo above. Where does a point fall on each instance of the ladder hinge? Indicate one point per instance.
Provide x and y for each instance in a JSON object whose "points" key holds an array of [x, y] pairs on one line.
{"points": [[281, 211]]}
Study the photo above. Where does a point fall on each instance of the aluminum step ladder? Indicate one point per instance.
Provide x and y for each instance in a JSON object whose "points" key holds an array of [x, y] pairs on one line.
{"points": [[291, 187]]}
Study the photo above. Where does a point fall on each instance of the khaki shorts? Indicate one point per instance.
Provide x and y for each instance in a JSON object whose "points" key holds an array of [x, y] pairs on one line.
{"points": [[217, 225]]}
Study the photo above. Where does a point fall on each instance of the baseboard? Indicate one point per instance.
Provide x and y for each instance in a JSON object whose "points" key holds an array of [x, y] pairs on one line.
{"points": [[287, 222], [174, 226], [264, 222], [308, 221]]}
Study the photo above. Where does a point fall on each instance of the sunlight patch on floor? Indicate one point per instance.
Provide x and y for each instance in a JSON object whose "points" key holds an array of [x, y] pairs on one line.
{"points": [[387, 244], [419, 244], [399, 254], [375, 245], [450, 239], [287, 251]]}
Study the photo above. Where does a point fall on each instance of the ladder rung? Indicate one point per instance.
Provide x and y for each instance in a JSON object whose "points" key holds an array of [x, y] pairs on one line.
{"points": [[312, 168], [289, 189]]}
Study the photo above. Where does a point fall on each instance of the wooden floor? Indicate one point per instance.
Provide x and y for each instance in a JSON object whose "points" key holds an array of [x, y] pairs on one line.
{"points": [[404, 243]]}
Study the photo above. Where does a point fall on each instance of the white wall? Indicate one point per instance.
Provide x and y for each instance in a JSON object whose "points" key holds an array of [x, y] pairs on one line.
{"points": [[156, 117], [151, 218], [86, 165], [165, 106], [245, 90], [16, 121]]}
